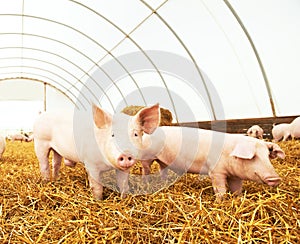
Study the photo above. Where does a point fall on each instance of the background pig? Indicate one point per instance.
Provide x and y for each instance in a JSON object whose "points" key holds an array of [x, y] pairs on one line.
{"points": [[2, 145], [56, 131], [226, 158], [255, 131], [295, 128], [281, 131], [18, 137]]}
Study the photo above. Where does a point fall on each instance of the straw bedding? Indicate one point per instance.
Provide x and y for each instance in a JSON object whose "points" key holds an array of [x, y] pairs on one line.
{"points": [[185, 212]]}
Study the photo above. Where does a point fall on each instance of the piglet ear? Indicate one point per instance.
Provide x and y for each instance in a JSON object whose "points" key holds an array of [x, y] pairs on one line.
{"points": [[275, 150], [148, 118], [101, 118], [249, 131], [244, 149]]}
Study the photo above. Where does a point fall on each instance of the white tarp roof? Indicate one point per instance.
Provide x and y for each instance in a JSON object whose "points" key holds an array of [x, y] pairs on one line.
{"points": [[202, 59]]}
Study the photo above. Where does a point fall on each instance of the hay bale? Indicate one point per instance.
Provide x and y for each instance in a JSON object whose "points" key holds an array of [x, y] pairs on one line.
{"points": [[165, 115]]}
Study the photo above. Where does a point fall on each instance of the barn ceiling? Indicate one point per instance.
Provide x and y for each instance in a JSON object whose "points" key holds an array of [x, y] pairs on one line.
{"points": [[201, 59]]}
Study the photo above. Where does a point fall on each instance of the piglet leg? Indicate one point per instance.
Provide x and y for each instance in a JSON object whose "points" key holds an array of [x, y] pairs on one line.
{"points": [[163, 170], [96, 187], [235, 185], [42, 151], [219, 185], [146, 170], [122, 181], [56, 163]]}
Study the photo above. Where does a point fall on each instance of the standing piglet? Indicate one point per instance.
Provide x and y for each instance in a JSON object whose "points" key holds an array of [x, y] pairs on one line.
{"points": [[88, 138], [295, 128], [2, 145], [281, 131], [227, 158], [255, 131]]}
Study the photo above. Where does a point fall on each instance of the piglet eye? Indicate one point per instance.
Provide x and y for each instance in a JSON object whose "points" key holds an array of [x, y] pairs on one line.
{"points": [[112, 134], [136, 134]]}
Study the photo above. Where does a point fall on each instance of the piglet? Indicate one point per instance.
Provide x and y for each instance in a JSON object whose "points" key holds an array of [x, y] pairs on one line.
{"points": [[90, 138], [227, 158], [255, 131], [19, 137], [281, 131], [295, 128]]}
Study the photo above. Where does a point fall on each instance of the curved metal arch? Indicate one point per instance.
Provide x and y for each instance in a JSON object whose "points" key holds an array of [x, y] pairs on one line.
{"points": [[47, 71], [39, 60], [109, 52], [127, 36], [40, 81], [13, 74], [189, 54], [67, 60], [261, 66], [89, 38], [71, 47]]}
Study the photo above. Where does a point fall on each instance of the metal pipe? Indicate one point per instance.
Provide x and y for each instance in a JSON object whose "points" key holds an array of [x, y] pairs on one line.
{"points": [[264, 74]]}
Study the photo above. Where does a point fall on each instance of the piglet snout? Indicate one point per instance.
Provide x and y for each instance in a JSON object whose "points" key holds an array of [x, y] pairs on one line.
{"points": [[126, 161], [272, 180]]}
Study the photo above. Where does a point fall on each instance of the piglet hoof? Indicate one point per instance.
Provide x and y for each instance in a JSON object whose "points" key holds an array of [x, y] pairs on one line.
{"points": [[219, 199], [97, 196], [237, 193], [45, 180], [97, 191]]}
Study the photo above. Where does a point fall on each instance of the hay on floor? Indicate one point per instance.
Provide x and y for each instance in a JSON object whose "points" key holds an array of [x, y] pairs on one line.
{"points": [[185, 212]]}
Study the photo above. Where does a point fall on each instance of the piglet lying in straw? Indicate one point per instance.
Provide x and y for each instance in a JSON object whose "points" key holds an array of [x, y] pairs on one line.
{"points": [[226, 158]]}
